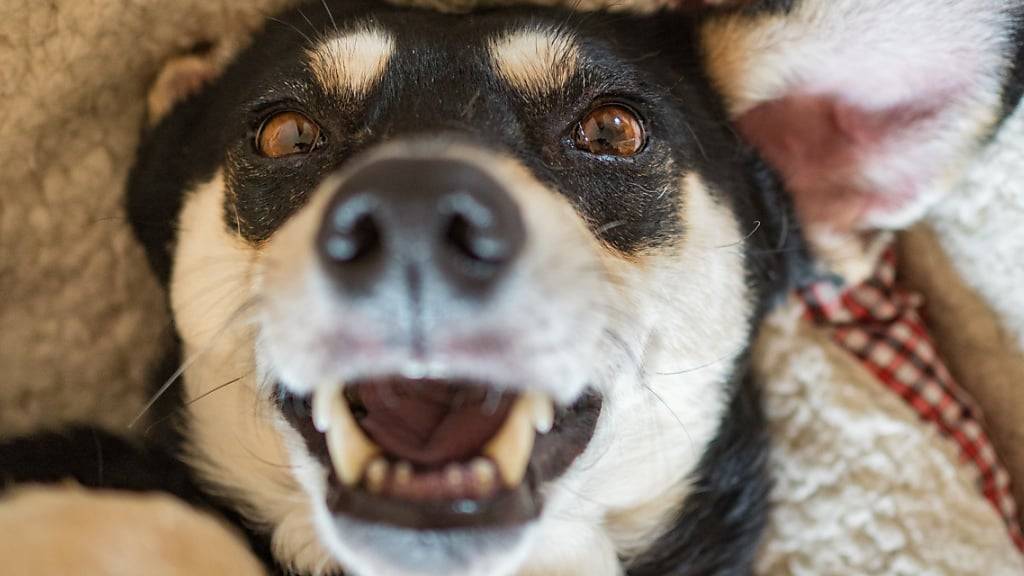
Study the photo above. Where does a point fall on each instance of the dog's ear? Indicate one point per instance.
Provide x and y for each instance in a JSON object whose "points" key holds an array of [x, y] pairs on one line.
{"points": [[180, 78], [869, 109]]}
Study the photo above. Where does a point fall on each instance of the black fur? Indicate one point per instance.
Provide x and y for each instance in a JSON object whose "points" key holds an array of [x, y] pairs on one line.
{"points": [[761, 7], [174, 157], [1015, 84], [95, 459]]}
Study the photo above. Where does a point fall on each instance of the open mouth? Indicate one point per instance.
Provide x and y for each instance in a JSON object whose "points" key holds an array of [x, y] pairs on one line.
{"points": [[439, 454]]}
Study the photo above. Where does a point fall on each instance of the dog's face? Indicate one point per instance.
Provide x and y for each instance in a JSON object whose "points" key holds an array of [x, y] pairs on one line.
{"points": [[458, 294]]}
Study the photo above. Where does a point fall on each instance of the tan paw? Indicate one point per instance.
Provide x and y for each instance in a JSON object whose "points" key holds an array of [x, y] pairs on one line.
{"points": [[70, 530]]}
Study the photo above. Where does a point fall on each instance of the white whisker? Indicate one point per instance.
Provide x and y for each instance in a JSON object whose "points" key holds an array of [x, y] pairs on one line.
{"points": [[188, 363]]}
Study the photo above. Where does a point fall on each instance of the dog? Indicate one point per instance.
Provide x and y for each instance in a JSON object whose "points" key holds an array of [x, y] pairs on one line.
{"points": [[470, 294], [473, 294]]}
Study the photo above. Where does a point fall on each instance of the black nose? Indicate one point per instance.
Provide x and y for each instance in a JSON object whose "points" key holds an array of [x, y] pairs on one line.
{"points": [[442, 222]]}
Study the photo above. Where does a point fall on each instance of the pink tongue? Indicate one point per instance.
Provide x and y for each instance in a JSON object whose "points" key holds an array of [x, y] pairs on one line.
{"points": [[430, 423]]}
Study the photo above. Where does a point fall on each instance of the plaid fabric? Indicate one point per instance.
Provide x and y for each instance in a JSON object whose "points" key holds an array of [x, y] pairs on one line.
{"points": [[880, 325]]}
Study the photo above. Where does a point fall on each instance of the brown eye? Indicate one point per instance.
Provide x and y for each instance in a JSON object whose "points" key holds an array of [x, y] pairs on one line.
{"points": [[286, 134], [610, 130]]}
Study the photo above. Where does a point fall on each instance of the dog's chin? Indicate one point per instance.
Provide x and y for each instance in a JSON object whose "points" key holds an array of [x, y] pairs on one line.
{"points": [[378, 549]]}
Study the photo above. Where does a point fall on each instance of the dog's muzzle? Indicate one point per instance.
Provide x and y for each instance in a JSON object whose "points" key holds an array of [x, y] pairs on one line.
{"points": [[418, 245]]}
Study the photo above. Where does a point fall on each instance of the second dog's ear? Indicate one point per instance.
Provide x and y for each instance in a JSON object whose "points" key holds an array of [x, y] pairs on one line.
{"points": [[180, 78], [869, 109]]}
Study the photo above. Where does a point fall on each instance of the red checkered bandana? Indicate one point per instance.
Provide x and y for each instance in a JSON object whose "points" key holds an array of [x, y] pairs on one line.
{"points": [[880, 325]]}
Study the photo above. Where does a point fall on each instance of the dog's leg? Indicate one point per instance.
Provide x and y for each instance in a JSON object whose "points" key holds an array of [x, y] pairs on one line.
{"points": [[86, 499], [67, 529]]}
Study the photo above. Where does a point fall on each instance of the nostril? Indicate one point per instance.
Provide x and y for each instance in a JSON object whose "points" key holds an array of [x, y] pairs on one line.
{"points": [[352, 232], [471, 242], [457, 228], [473, 232], [354, 242]]}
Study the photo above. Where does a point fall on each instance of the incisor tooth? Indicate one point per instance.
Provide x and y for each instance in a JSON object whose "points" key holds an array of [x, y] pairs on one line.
{"points": [[376, 475], [351, 451], [453, 476], [543, 411], [403, 473], [483, 474], [511, 447]]}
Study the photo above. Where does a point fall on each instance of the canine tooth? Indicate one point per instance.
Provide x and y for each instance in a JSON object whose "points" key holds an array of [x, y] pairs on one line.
{"points": [[351, 451], [543, 411], [483, 473], [403, 473], [323, 399], [376, 475], [511, 447]]}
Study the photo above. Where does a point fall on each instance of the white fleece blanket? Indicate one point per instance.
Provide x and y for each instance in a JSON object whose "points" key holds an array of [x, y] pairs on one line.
{"points": [[862, 486], [981, 226]]}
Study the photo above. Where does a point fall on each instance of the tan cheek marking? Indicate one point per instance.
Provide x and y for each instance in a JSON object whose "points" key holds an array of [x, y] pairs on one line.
{"points": [[535, 62], [352, 64]]}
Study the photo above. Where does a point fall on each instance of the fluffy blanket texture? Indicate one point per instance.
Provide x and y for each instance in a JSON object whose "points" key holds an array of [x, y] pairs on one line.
{"points": [[81, 315], [863, 487]]}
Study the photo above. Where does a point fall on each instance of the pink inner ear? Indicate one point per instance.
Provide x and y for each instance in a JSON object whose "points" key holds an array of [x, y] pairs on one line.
{"points": [[822, 147]]}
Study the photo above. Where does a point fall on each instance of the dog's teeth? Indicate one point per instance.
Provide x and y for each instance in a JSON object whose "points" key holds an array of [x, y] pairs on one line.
{"points": [[323, 399], [511, 447], [403, 473], [351, 451], [376, 475], [453, 477], [542, 409], [483, 474]]}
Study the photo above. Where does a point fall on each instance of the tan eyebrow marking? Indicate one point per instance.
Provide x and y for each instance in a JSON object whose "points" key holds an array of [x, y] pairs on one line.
{"points": [[353, 63], [535, 62]]}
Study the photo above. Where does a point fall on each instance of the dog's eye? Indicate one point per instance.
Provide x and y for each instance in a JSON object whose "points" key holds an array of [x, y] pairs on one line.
{"points": [[287, 134], [610, 130]]}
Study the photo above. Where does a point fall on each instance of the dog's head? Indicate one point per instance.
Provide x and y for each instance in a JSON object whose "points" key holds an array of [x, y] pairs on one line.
{"points": [[458, 294]]}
